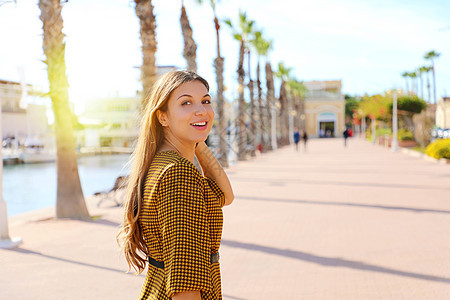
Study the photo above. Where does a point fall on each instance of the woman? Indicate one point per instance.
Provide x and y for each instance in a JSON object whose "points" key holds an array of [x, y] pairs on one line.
{"points": [[173, 214]]}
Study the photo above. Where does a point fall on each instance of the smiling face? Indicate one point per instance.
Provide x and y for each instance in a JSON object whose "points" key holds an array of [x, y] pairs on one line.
{"points": [[189, 114]]}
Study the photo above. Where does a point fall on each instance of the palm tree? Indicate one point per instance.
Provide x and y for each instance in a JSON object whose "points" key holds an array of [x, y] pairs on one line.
{"points": [[297, 91], [419, 72], [190, 48], [218, 66], [262, 47], [413, 77], [252, 132], [242, 35], [271, 109], [70, 201], [406, 76], [144, 11], [283, 74], [427, 70], [431, 56]]}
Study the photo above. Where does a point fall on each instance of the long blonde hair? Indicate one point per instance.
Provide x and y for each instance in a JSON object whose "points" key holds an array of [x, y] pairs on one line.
{"points": [[130, 237]]}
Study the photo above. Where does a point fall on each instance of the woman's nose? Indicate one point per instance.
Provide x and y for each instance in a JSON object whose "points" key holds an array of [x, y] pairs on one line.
{"points": [[200, 110]]}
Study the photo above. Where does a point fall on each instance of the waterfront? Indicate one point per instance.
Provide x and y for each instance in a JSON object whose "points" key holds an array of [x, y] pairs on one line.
{"points": [[28, 187]]}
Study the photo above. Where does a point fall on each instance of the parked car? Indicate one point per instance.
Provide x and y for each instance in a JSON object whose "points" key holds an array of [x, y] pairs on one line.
{"points": [[439, 133]]}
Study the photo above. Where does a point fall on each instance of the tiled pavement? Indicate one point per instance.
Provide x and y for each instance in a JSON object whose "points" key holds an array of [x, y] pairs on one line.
{"points": [[333, 223]]}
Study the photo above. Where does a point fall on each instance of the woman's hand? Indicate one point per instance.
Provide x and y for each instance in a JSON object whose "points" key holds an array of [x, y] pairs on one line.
{"points": [[191, 295], [212, 169]]}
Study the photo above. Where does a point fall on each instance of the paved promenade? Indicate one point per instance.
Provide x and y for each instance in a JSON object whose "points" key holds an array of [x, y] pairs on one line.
{"points": [[333, 223]]}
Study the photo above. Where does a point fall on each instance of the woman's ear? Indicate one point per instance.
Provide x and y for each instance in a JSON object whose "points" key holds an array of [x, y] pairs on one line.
{"points": [[161, 118]]}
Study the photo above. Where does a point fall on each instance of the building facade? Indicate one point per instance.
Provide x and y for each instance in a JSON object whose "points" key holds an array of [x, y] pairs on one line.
{"points": [[324, 108], [443, 113], [22, 121]]}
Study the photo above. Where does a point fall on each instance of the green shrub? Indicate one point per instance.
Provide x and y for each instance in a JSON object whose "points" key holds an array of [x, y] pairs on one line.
{"points": [[405, 135], [411, 104], [383, 131], [439, 149]]}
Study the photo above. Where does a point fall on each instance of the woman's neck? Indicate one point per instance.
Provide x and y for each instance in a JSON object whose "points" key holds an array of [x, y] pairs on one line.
{"points": [[186, 151]]}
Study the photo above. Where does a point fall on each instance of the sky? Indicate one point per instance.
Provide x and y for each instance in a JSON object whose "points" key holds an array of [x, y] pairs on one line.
{"points": [[366, 44]]}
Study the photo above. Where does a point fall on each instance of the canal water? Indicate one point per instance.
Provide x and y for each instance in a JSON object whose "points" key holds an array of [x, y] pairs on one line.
{"points": [[28, 187]]}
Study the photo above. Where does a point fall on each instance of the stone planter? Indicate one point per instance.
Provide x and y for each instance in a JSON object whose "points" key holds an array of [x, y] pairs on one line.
{"points": [[407, 144]]}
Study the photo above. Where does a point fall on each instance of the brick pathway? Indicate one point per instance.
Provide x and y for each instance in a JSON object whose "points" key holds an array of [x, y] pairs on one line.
{"points": [[333, 223]]}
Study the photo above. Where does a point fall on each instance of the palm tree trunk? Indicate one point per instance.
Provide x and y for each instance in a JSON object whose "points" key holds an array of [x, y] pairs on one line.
{"points": [[421, 86], [252, 110], [242, 139], [70, 201], [284, 118], [144, 11], [434, 83], [271, 141], [262, 122], [428, 87], [222, 156], [190, 48], [218, 66]]}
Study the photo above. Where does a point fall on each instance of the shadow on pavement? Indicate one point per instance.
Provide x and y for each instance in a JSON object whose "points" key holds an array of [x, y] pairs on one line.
{"points": [[339, 183], [412, 209], [330, 261], [25, 251]]}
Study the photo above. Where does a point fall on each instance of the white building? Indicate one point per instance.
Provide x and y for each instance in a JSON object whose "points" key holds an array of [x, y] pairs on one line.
{"points": [[110, 122], [443, 113], [21, 121]]}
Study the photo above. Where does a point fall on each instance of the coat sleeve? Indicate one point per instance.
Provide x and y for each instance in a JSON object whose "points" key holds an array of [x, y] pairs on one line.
{"points": [[217, 191], [185, 231]]}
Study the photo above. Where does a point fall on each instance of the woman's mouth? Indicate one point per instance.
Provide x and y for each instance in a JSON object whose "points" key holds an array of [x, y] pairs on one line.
{"points": [[200, 125]]}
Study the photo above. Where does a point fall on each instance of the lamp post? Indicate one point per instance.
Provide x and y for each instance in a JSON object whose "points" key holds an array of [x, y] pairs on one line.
{"points": [[5, 241], [394, 146]]}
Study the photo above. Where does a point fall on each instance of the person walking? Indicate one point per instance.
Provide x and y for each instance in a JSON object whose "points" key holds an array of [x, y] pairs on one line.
{"points": [[305, 139], [346, 135], [173, 213], [296, 139]]}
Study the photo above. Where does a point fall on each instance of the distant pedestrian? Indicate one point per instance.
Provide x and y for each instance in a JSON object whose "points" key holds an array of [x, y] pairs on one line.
{"points": [[305, 139], [296, 139], [346, 135]]}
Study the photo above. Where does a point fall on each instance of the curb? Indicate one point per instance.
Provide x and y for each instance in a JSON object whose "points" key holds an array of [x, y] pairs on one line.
{"points": [[414, 153]]}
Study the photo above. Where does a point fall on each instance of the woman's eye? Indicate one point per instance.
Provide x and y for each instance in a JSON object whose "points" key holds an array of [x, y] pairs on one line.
{"points": [[186, 102], [206, 101]]}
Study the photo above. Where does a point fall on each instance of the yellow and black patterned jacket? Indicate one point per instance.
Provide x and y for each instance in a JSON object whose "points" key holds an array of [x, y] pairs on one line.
{"points": [[182, 223]]}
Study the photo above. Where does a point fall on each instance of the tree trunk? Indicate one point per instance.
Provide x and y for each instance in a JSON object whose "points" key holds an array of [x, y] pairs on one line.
{"points": [[428, 88], [252, 135], [242, 138], [262, 128], [70, 201], [434, 83], [284, 118], [270, 102], [296, 106], [144, 11], [222, 132], [421, 86], [190, 47]]}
